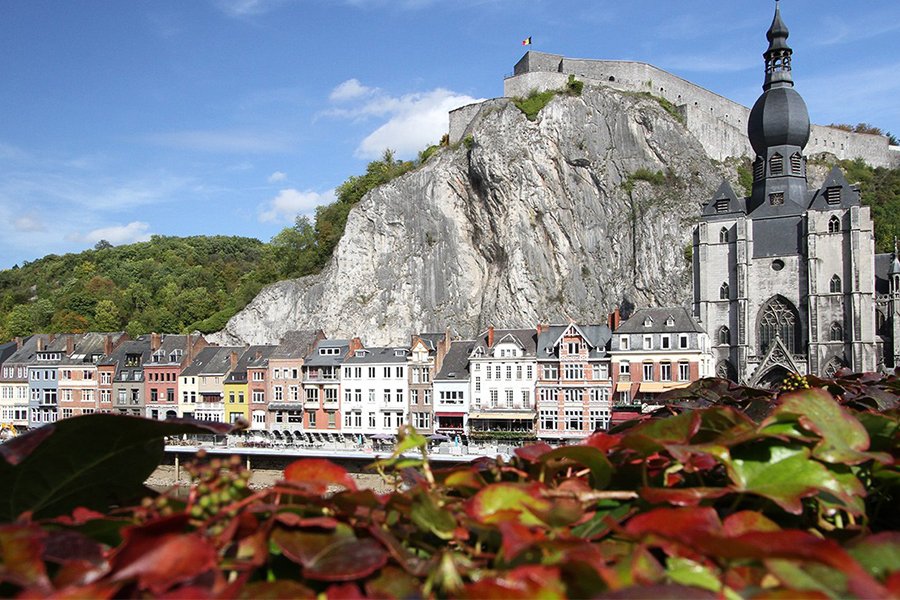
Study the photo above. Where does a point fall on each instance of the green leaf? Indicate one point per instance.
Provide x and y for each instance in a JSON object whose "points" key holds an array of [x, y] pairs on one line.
{"points": [[94, 461], [786, 475], [508, 502], [430, 517], [688, 572], [843, 439], [878, 554], [590, 457]]}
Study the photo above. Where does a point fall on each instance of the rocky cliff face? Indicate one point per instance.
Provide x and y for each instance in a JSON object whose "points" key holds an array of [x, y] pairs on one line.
{"points": [[530, 222]]}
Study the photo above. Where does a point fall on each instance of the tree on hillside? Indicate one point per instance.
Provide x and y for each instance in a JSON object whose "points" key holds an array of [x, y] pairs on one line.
{"points": [[106, 316]]}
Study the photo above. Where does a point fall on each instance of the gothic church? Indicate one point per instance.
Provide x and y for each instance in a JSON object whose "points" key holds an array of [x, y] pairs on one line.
{"points": [[788, 279]]}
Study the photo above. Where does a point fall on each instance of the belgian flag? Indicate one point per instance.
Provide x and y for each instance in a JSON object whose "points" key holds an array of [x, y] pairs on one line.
{"points": [[527, 41]]}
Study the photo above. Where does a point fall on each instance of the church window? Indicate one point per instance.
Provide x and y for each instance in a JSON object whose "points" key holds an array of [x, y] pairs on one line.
{"points": [[833, 195], [724, 292], [834, 224], [778, 318], [796, 163], [722, 205], [837, 332], [724, 336], [834, 285], [776, 199], [723, 236], [776, 164], [834, 365], [777, 264]]}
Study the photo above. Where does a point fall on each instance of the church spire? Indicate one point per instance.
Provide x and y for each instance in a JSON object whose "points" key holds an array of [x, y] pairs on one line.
{"points": [[778, 54]]}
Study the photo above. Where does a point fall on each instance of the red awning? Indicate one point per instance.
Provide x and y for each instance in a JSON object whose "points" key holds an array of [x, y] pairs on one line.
{"points": [[450, 414]]}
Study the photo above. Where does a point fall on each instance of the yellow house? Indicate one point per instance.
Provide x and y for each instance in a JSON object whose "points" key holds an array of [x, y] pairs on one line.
{"points": [[236, 388]]}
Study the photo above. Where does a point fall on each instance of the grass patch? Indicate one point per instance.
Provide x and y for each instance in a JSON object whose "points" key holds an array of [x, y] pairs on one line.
{"points": [[532, 104], [642, 174]]}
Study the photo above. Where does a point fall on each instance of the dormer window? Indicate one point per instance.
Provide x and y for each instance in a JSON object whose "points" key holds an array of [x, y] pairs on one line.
{"points": [[776, 164], [359, 353], [833, 195], [670, 322], [175, 356], [159, 356], [648, 322], [329, 351]]}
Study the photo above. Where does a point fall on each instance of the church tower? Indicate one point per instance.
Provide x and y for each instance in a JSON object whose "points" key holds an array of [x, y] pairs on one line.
{"points": [[784, 280]]}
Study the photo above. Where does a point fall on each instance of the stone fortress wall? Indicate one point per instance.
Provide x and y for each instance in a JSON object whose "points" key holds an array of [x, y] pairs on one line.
{"points": [[718, 123]]}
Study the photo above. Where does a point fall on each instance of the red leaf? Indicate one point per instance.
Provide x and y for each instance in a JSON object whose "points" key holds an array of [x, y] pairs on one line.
{"points": [[302, 546], [21, 547], [525, 582], [294, 520], [517, 537], [17, 449], [394, 583], [276, 590], [347, 559], [157, 561], [680, 524], [680, 496], [603, 441], [533, 452], [316, 475], [64, 545], [344, 591], [747, 521]]}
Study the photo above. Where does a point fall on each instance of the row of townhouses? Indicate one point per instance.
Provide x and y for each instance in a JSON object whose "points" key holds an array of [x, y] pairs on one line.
{"points": [[553, 381]]}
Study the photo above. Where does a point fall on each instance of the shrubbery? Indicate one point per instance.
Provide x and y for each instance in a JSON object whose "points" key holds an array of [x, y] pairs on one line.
{"points": [[728, 492]]}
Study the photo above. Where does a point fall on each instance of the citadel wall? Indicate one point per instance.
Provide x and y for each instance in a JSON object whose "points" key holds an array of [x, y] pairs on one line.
{"points": [[718, 123]]}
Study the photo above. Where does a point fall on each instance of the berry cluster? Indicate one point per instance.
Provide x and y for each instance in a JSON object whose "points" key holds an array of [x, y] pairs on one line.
{"points": [[217, 484], [793, 381]]}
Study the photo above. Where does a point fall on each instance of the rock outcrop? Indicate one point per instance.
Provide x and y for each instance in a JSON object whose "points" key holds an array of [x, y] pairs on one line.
{"points": [[524, 222]]}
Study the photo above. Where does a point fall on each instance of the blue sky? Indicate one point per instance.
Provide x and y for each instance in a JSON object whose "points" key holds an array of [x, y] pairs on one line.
{"points": [[123, 119]]}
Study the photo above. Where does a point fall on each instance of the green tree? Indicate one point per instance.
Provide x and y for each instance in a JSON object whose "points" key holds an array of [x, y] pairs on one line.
{"points": [[20, 321], [69, 321], [106, 316]]}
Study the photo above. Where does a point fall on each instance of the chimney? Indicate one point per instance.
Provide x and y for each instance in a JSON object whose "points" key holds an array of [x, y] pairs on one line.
{"points": [[258, 354], [614, 319], [540, 329], [107, 345], [189, 349], [155, 342], [355, 344], [18, 343], [51, 338], [40, 344], [233, 358], [70, 344], [490, 340]]}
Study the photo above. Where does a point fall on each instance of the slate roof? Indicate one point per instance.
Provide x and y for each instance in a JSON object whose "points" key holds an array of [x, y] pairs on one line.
{"points": [[456, 364], [597, 337], [25, 354], [883, 264], [296, 344], [527, 338], [139, 346], [431, 340], [683, 321], [370, 356], [314, 359], [7, 350], [260, 356], [212, 360], [252, 356], [90, 344]]}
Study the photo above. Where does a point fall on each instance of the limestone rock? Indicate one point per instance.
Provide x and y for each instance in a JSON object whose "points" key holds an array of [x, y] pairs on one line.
{"points": [[531, 222]]}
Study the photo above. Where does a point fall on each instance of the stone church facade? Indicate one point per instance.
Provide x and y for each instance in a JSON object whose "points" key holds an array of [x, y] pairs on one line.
{"points": [[787, 279]]}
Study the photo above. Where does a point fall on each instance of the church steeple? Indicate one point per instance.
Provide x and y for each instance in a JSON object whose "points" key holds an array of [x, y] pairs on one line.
{"points": [[779, 130], [778, 54]]}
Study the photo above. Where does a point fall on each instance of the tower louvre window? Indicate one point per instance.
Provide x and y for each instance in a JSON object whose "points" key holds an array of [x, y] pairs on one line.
{"points": [[722, 205], [833, 195], [776, 164], [796, 163], [759, 169], [837, 332]]}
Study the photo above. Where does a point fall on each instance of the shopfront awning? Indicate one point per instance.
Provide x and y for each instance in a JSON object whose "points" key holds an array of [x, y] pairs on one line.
{"points": [[656, 387], [623, 386], [502, 416], [449, 414]]}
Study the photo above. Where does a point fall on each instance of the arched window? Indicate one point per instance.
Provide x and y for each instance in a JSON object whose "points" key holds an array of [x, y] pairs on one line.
{"points": [[723, 235], [776, 164], [881, 324], [834, 224], [778, 317], [835, 285], [837, 332], [832, 367], [724, 335], [723, 292]]}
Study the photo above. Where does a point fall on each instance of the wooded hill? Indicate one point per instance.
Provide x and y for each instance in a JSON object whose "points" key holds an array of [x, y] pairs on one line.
{"points": [[197, 283]]}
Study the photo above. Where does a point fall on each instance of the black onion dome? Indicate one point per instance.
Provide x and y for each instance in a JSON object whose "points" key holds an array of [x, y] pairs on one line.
{"points": [[779, 118]]}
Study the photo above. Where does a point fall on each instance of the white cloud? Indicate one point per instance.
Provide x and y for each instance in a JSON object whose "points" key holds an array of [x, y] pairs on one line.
{"points": [[277, 176], [416, 121], [247, 8], [221, 141], [136, 231], [413, 120], [29, 223], [349, 90], [291, 202]]}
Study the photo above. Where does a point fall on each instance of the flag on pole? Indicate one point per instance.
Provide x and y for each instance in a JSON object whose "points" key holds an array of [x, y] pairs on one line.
{"points": [[527, 41]]}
